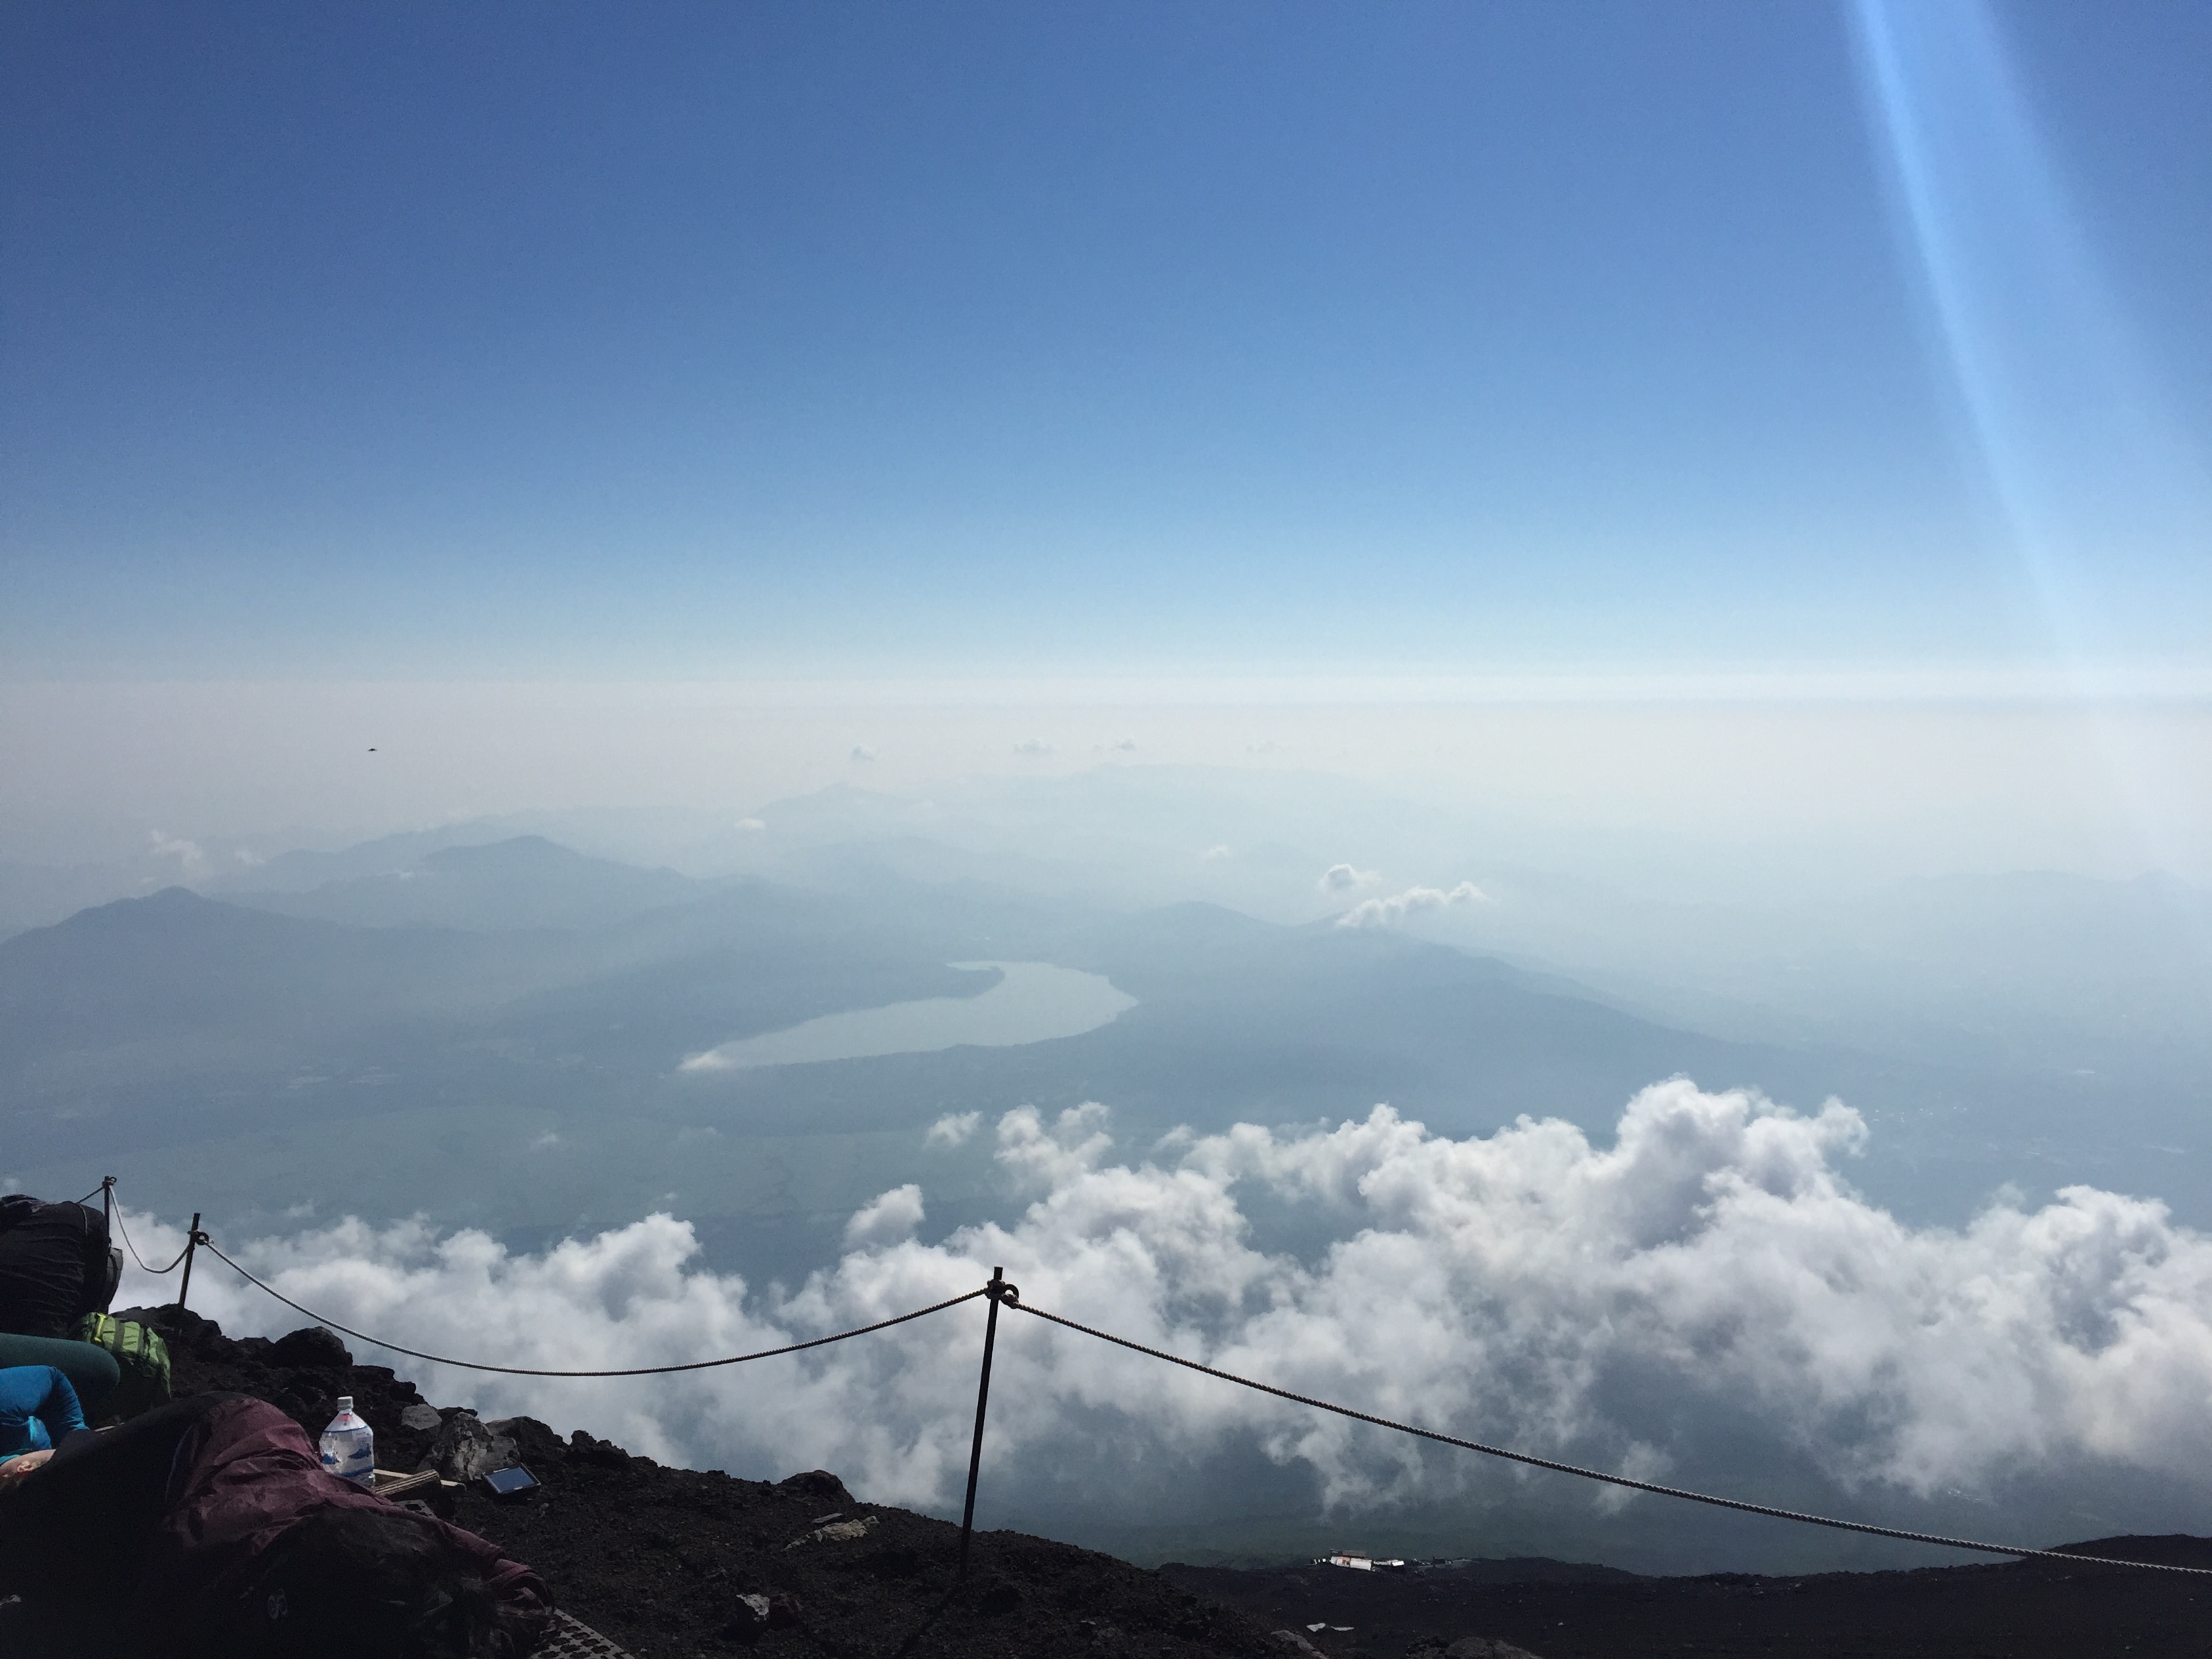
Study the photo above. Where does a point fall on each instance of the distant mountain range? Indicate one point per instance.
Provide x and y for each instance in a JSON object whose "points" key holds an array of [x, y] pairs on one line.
{"points": [[524, 1008]]}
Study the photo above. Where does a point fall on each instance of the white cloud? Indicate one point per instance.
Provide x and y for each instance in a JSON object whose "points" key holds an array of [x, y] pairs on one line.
{"points": [[862, 751], [1033, 746], [1707, 1283], [1048, 1158], [1124, 746], [751, 826], [954, 1128], [1389, 912], [1343, 878], [887, 1219], [192, 860], [1215, 854]]}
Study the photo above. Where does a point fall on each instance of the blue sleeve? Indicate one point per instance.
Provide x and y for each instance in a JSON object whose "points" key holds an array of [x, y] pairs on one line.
{"points": [[36, 1398], [59, 1410], [23, 1389]]}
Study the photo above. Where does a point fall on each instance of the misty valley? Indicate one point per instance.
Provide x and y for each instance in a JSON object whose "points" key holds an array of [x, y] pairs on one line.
{"points": [[832, 1052]]}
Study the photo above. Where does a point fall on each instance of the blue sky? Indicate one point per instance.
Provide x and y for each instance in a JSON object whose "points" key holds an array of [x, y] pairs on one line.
{"points": [[599, 341]]}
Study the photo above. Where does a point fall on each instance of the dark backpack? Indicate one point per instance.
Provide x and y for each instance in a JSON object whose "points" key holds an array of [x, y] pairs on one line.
{"points": [[55, 1263]]}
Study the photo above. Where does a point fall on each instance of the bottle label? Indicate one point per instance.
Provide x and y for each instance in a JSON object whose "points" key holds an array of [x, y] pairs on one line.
{"points": [[350, 1454]]}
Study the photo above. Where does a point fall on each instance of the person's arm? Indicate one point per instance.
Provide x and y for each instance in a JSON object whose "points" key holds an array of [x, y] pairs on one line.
{"points": [[22, 1387], [59, 1410], [39, 1391]]}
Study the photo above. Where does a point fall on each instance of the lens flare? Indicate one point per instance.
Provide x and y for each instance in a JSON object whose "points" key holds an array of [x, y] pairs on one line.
{"points": [[2099, 506]]}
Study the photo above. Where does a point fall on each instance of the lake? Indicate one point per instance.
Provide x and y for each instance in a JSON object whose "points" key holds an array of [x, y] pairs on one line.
{"points": [[1032, 1002]]}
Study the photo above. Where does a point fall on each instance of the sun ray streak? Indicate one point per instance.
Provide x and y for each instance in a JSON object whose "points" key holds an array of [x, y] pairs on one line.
{"points": [[2097, 499]]}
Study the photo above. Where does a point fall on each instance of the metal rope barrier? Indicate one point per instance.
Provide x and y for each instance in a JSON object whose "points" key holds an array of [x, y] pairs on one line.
{"points": [[140, 1260], [1011, 1298], [635, 1371]]}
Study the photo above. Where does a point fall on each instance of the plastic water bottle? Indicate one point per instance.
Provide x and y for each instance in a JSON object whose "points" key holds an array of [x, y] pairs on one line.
{"points": [[350, 1446]]}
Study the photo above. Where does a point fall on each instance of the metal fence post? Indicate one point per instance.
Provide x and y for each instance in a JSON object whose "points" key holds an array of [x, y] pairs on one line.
{"points": [[998, 1291], [191, 1243]]}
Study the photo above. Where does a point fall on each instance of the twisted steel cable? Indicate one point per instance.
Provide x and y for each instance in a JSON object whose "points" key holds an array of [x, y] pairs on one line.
{"points": [[1535, 1462]]}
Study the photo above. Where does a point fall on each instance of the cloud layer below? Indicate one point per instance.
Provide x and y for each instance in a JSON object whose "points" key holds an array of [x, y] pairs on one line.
{"points": [[1705, 1300]]}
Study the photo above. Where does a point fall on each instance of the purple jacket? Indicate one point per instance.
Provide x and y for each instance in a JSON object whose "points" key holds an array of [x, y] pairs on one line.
{"points": [[245, 1472]]}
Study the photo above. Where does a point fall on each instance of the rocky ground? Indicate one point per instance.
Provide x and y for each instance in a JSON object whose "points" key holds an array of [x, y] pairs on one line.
{"points": [[675, 1562], [2007, 1610]]}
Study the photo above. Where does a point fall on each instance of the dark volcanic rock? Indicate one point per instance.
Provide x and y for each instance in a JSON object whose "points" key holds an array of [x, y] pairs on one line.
{"points": [[312, 1348], [466, 1448], [1468, 1647], [302, 1375], [817, 1486], [2033, 1609], [672, 1561]]}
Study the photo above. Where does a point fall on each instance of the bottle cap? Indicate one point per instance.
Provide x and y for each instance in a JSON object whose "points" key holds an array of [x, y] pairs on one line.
{"points": [[345, 1404]]}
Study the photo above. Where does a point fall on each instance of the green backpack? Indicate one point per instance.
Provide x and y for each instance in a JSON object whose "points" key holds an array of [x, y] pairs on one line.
{"points": [[141, 1355]]}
